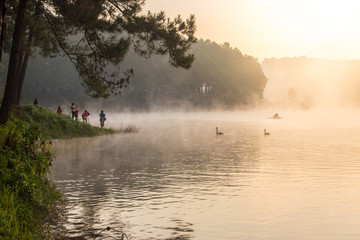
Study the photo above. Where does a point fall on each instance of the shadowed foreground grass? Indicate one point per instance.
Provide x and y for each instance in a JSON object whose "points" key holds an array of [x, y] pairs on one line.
{"points": [[26, 192]]}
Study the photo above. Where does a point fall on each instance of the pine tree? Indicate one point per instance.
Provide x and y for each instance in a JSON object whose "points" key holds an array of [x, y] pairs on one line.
{"points": [[95, 35]]}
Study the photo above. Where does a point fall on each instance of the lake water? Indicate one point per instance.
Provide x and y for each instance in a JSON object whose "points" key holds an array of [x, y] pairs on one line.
{"points": [[176, 178]]}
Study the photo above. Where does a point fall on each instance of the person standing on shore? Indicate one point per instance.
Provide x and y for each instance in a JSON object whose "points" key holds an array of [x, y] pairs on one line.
{"points": [[76, 113], [85, 116], [59, 110], [102, 118], [73, 111]]}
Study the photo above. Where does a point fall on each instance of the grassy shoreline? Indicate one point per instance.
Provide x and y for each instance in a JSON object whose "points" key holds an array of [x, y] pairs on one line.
{"points": [[27, 195], [61, 126]]}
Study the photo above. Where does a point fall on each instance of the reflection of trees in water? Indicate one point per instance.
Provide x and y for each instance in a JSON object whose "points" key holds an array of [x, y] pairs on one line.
{"points": [[121, 172]]}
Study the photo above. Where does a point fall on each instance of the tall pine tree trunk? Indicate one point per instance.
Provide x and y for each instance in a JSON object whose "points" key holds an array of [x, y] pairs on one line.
{"points": [[18, 74], [21, 78], [12, 79], [23, 66], [3, 8]]}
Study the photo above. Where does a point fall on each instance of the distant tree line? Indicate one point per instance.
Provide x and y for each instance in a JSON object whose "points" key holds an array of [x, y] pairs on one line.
{"points": [[221, 76]]}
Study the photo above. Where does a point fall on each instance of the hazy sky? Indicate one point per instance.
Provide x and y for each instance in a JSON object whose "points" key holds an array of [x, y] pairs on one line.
{"points": [[275, 28]]}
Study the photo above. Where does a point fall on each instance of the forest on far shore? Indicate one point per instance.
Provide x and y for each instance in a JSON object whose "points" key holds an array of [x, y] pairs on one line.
{"points": [[221, 76]]}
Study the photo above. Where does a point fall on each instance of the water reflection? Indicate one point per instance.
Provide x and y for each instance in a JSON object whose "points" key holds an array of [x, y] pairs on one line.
{"points": [[176, 178], [151, 176]]}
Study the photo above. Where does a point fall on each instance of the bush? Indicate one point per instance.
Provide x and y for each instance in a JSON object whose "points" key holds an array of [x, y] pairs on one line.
{"points": [[26, 193]]}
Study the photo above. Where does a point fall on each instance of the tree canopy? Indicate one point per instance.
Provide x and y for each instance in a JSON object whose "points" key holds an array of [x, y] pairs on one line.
{"points": [[95, 36]]}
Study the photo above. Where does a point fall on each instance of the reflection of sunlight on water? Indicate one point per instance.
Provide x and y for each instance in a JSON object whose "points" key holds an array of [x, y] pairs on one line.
{"points": [[177, 178]]}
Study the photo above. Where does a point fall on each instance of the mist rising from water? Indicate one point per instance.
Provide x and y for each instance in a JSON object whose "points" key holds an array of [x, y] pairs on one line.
{"points": [[306, 83]]}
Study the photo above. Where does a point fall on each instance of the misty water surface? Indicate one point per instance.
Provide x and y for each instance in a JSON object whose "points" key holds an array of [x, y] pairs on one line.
{"points": [[177, 178]]}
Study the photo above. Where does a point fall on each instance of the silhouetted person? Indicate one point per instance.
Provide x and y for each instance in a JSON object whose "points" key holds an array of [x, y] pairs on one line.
{"points": [[102, 118], [59, 110], [73, 111], [36, 102], [76, 113]]}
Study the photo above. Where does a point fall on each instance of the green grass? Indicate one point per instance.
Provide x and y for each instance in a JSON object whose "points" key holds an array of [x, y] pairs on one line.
{"points": [[54, 125], [16, 217]]}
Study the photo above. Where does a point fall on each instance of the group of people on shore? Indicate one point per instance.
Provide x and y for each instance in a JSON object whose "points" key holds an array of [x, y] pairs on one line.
{"points": [[85, 115], [75, 113]]}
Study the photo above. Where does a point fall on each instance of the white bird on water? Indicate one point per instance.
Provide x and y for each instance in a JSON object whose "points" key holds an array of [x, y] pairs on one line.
{"points": [[266, 133], [218, 133]]}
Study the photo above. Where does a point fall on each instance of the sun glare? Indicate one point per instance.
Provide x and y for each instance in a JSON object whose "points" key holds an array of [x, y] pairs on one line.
{"points": [[276, 28], [317, 20], [313, 26]]}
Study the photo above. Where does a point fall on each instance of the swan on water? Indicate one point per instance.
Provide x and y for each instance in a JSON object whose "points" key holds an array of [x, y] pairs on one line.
{"points": [[218, 133], [266, 133]]}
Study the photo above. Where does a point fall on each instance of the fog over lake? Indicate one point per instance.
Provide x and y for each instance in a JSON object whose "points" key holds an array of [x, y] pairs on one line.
{"points": [[177, 178]]}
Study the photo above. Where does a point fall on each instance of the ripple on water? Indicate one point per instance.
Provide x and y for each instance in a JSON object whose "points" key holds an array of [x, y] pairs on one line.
{"points": [[161, 183]]}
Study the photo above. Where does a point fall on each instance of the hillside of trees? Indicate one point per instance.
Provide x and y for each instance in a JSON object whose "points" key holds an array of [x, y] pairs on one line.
{"points": [[306, 83], [221, 76]]}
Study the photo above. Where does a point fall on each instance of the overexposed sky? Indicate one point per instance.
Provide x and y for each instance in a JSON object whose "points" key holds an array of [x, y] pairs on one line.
{"points": [[328, 29]]}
